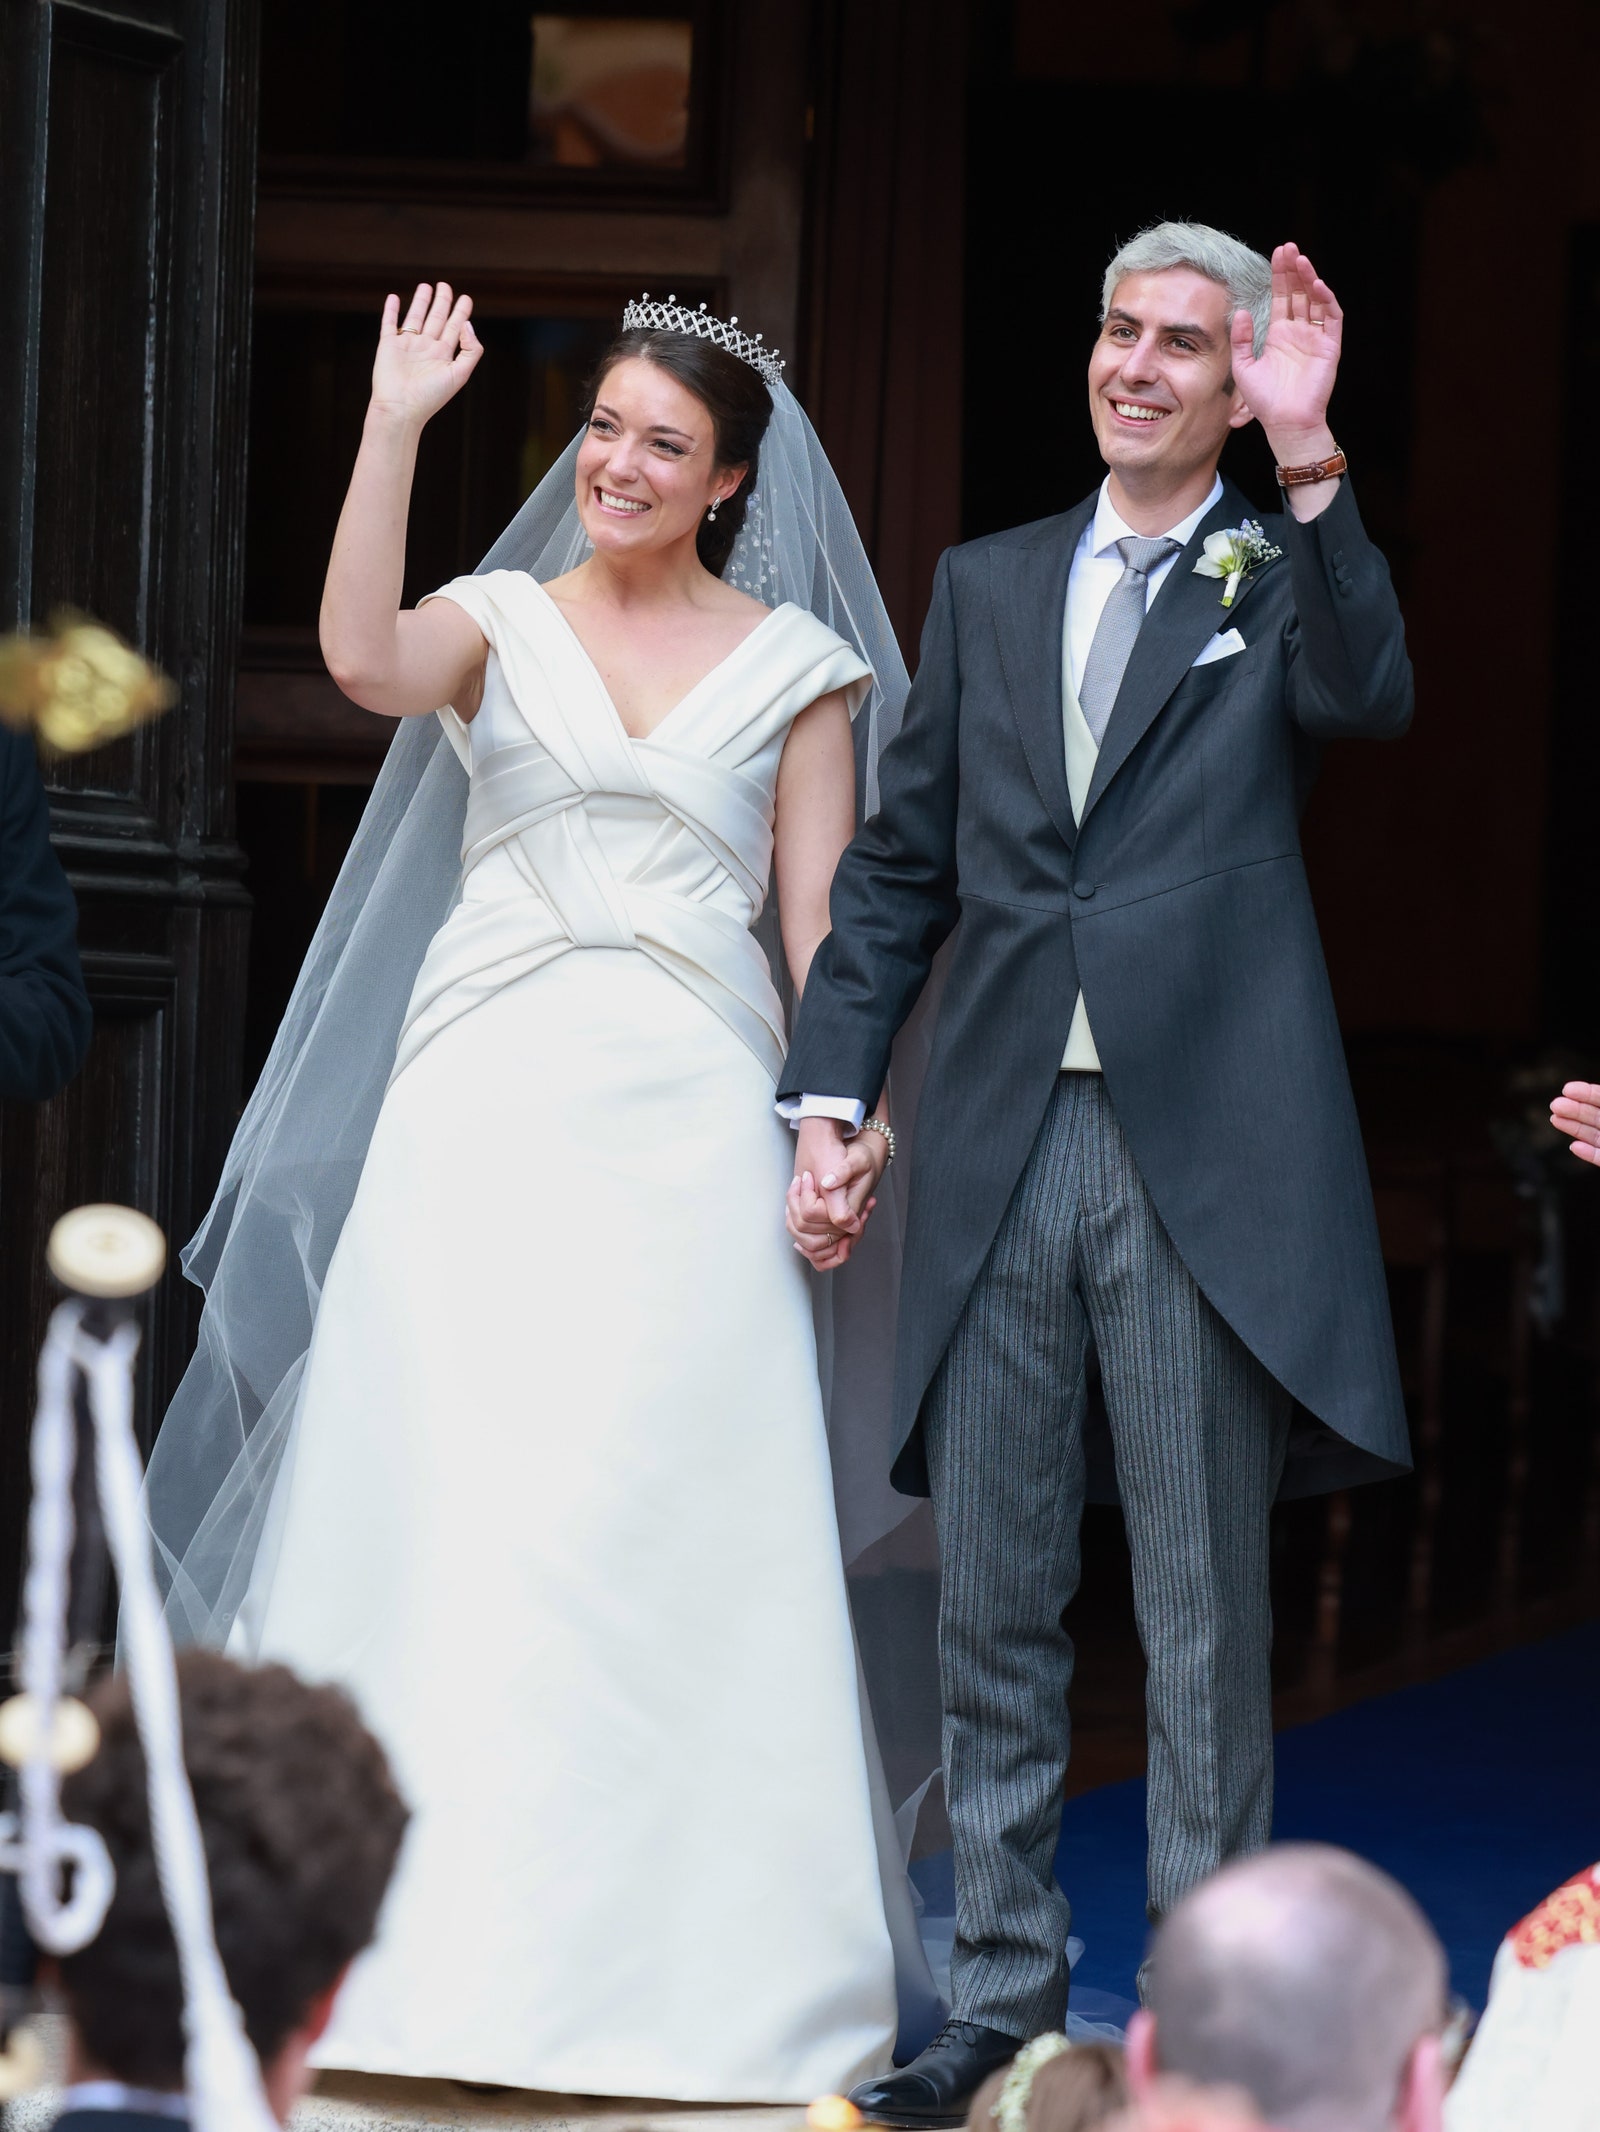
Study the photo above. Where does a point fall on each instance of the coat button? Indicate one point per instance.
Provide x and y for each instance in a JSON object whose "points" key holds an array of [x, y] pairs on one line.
{"points": [[1083, 888]]}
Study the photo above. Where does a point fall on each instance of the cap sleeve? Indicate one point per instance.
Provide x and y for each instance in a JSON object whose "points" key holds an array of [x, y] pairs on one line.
{"points": [[482, 597], [479, 595], [835, 665], [859, 686]]}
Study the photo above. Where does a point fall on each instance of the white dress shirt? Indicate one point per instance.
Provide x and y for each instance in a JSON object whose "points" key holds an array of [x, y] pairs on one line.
{"points": [[1096, 567]]}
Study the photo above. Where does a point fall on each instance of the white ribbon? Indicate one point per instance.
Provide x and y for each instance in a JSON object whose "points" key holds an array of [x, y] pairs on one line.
{"points": [[221, 2070]]}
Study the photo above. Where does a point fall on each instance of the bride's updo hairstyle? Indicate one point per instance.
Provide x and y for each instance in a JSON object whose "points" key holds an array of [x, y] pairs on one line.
{"points": [[733, 394]]}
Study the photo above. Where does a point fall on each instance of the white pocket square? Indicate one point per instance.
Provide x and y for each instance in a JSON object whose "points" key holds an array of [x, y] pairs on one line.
{"points": [[1221, 646]]}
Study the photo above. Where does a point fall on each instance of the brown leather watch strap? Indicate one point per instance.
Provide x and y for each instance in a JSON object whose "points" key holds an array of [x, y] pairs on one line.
{"points": [[1291, 477]]}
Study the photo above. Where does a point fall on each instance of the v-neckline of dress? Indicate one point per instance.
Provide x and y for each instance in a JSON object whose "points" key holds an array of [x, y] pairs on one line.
{"points": [[640, 740]]}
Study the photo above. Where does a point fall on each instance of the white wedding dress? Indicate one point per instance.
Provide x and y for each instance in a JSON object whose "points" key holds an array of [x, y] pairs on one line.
{"points": [[557, 1508]]}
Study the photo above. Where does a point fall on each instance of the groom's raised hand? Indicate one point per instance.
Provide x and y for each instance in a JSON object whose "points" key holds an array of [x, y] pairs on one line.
{"points": [[1287, 386]]}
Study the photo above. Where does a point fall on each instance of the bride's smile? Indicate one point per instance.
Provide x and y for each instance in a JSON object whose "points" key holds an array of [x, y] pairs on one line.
{"points": [[647, 468]]}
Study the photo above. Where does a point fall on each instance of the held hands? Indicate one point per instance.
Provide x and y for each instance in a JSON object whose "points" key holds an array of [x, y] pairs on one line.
{"points": [[831, 1196], [1288, 385], [426, 358], [1576, 1112]]}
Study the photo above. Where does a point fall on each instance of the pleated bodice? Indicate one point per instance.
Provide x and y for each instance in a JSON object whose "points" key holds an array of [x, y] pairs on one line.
{"points": [[579, 836]]}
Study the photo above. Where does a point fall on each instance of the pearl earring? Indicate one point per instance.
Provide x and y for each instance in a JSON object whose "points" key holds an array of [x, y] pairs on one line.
{"points": [[712, 513]]}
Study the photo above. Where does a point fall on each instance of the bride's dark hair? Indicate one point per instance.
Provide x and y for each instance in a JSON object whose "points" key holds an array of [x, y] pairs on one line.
{"points": [[731, 392]]}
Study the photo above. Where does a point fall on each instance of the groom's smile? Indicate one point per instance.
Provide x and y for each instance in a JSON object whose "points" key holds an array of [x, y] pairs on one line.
{"points": [[1161, 390]]}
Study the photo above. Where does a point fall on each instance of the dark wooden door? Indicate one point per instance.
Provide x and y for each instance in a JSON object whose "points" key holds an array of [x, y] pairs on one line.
{"points": [[127, 185]]}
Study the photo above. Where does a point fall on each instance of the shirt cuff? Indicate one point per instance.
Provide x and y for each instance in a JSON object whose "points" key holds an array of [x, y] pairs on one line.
{"points": [[848, 1110]]}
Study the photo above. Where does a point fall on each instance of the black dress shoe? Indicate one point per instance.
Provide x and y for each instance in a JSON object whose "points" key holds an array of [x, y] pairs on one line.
{"points": [[935, 2088]]}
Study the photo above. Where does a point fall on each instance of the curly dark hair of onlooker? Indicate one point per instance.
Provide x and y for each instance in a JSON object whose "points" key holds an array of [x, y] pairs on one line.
{"points": [[732, 393], [302, 1824], [1080, 2088]]}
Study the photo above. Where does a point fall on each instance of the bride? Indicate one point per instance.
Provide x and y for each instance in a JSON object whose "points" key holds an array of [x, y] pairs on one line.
{"points": [[549, 1488]]}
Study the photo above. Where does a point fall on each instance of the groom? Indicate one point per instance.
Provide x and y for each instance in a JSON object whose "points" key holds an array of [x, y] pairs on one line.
{"points": [[1136, 1146]]}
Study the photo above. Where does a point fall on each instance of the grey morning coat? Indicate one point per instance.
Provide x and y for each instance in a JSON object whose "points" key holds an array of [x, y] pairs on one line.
{"points": [[1179, 904]]}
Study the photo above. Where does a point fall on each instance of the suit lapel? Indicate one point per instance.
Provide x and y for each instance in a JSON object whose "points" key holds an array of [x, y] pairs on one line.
{"points": [[1184, 613], [1028, 593]]}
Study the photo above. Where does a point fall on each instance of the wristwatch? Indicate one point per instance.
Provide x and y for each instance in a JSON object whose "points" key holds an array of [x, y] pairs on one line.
{"points": [[1291, 477]]}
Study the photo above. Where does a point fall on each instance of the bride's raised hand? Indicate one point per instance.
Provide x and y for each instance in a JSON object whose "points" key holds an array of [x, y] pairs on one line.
{"points": [[424, 359]]}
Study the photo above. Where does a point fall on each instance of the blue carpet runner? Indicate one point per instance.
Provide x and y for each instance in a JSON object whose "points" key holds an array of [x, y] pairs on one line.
{"points": [[1479, 1792]]}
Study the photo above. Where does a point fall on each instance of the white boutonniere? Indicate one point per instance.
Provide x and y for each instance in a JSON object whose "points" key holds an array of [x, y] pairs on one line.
{"points": [[1233, 554]]}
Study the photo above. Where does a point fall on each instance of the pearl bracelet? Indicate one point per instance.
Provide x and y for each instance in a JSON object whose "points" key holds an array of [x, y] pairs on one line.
{"points": [[880, 1125]]}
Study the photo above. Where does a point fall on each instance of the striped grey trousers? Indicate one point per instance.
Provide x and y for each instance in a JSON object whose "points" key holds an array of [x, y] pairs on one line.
{"points": [[1199, 1430]]}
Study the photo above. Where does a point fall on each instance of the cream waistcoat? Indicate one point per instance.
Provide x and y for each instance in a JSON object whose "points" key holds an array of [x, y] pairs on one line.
{"points": [[1080, 1055]]}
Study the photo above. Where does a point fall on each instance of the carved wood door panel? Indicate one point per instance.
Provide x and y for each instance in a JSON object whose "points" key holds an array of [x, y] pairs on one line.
{"points": [[126, 226]]}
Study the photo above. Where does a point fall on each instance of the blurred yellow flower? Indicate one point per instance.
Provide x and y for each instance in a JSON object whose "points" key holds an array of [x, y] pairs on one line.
{"points": [[79, 686]]}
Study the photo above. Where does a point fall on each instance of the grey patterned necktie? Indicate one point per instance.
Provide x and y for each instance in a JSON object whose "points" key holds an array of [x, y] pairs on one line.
{"points": [[1121, 620]]}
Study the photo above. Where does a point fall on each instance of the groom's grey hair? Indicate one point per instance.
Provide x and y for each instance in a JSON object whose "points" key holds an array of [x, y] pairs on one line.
{"points": [[1245, 275], [1304, 1976]]}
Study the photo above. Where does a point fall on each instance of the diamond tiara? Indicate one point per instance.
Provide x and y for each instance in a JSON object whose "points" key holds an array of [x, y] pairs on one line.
{"points": [[674, 317]]}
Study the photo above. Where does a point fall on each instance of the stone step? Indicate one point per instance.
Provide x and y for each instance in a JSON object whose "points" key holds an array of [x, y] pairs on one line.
{"points": [[368, 2102], [372, 2102]]}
